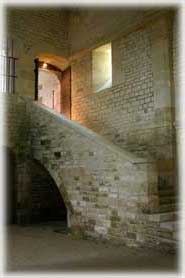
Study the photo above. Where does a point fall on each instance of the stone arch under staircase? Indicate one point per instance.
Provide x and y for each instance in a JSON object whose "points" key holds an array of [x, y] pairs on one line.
{"points": [[47, 203], [111, 192]]}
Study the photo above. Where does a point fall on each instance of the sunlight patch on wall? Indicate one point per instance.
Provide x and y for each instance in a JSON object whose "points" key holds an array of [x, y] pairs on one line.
{"points": [[102, 67]]}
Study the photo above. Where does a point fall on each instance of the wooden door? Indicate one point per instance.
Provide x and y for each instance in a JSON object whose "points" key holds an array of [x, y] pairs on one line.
{"points": [[66, 93]]}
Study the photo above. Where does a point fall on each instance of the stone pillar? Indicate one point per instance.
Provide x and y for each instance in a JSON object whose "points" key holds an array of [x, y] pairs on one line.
{"points": [[163, 92]]}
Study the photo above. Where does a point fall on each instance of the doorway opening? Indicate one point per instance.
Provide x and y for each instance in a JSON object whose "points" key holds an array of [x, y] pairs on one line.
{"points": [[53, 87], [49, 90]]}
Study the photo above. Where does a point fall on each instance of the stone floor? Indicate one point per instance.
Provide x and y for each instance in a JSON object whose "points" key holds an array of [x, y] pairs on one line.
{"points": [[43, 248]]}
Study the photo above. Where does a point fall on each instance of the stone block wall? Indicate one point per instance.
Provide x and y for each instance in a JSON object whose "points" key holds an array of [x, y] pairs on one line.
{"points": [[175, 48], [128, 114], [177, 96], [35, 31], [102, 187], [106, 188], [16, 127], [16, 124], [107, 191]]}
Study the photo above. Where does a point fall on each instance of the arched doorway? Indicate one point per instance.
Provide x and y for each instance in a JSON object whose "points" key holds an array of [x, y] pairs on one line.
{"points": [[49, 90], [53, 86], [47, 204]]}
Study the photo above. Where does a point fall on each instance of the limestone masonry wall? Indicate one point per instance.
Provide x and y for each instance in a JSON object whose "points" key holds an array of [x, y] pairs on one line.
{"points": [[16, 127], [176, 53], [101, 186], [129, 114], [110, 161], [108, 192], [35, 31], [16, 124]]}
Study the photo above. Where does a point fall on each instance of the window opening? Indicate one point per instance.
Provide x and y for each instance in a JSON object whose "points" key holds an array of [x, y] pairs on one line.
{"points": [[7, 67], [102, 67]]}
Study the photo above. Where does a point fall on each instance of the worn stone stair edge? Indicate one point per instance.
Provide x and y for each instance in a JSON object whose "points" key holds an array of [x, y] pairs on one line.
{"points": [[91, 135]]}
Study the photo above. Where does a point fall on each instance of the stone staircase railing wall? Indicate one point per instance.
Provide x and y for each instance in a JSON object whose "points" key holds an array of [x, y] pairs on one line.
{"points": [[108, 191], [103, 186]]}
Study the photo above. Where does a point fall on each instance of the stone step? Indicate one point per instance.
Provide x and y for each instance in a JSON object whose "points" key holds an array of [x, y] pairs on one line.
{"points": [[162, 233], [167, 193], [163, 216], [167, 207], [168, 200], [169, 187], [169, 230], [172, 243], [171, 226], [176, 235], [167, 240], [163, 227]]}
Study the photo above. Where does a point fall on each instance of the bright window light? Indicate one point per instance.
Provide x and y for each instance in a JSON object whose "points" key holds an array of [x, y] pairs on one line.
{"points": [[102, 67]]}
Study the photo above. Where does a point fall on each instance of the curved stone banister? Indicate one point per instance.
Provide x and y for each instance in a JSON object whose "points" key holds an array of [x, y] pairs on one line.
{"points": [[91, 135], [102, 184]]}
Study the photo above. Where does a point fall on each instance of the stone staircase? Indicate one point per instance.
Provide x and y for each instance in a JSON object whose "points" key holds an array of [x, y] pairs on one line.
{"points": [[167, 233], [161, 225], [168, 228], [161, 228], [165, 218], [167, 199], [81, 162]]}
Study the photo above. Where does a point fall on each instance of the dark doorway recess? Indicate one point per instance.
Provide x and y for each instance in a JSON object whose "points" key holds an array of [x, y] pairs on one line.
{"points": [[10, 185], [47, 203]]}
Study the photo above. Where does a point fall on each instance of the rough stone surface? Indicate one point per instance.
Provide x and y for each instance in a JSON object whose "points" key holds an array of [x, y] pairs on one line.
{"points": [[102, 186], [136, 113], [130, 109], [35, 31], [108, 188]]}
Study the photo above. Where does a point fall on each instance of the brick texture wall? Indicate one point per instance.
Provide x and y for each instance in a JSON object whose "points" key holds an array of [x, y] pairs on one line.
{"points": [[16, 127], [106, 191], [175, 45], [136, 112], [35, 31], [102, 187], [124, 113], [175, 50]]}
